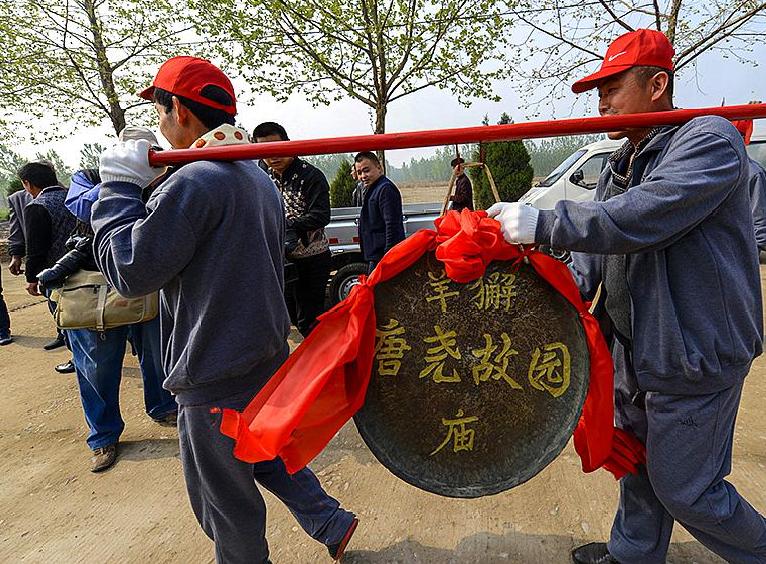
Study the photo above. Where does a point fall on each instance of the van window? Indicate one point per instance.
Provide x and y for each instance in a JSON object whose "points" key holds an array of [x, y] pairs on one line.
{"points": [[757, 151], [591, 170], [562, 168]]}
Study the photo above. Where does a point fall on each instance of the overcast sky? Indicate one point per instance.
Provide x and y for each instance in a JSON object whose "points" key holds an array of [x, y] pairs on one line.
{"points": [[714, 78]]}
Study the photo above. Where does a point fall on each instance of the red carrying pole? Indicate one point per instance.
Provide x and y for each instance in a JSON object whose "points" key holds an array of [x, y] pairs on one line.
{"points": [[439, 137]]}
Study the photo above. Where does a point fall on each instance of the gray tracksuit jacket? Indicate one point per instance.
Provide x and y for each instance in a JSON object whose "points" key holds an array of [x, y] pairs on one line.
{"points": [[692, 273], [211, 237]]}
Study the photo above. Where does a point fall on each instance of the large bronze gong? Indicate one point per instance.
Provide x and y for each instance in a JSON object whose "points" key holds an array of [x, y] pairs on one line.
{"points": [[475, 387]]}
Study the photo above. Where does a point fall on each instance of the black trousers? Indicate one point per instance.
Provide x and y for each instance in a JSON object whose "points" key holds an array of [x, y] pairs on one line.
{"points": [[5, 319], [306, 298]]}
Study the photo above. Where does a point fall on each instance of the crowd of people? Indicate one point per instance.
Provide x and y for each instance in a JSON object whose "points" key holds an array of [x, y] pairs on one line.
{"points": [[671, 229]]}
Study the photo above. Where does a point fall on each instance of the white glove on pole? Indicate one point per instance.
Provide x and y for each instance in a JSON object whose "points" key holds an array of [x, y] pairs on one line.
{"points": [[518, 222], [135, 132], [128, 161]]}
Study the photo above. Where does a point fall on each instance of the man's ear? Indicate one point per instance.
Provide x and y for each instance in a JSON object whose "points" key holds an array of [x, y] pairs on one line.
{"points": [[659, 84], [182, 112]]}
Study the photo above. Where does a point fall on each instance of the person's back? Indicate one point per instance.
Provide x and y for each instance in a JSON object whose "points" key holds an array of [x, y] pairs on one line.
{"points": [[224, 321], [211, 236]]}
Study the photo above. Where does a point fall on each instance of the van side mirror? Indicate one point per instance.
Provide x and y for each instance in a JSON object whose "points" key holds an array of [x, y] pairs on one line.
{"points": [[578, 177]]}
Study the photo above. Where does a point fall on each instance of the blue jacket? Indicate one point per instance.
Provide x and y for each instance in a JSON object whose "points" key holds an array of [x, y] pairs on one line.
{"points": [[686, 229], [380, 223], [82, 194]]}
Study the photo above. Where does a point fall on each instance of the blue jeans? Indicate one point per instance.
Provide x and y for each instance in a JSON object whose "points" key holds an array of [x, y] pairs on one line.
{"points": [[224, 493], [98, 359]]}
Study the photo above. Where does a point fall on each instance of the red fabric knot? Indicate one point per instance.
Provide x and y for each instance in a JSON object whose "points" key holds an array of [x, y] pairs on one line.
{"points": [[467, 242]]}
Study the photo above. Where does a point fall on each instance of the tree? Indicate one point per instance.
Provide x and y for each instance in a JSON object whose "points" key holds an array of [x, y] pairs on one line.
{"points": [[547, 154], [10, 163], [565, 38], [14, 185], [366, 50], [508, 161], [342, 186], [82, 61], [90, 155]]}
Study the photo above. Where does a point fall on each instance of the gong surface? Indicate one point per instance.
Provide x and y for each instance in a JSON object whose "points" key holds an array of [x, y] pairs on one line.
{"points": [[476, 387]]}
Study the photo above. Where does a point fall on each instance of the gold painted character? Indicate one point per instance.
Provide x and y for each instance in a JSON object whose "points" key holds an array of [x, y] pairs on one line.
{"points": [[390, 347], [439, 284], [550, 369], [462, 437], [495, 292], [445, 346], [497, 368]]}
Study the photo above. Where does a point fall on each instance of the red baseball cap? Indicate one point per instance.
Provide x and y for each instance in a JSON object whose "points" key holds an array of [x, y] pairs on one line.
{"points": [[187, 76], [640, 48]]}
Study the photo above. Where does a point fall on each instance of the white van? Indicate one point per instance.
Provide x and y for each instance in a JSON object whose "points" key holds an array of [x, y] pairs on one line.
{"points": [[576, 177]]}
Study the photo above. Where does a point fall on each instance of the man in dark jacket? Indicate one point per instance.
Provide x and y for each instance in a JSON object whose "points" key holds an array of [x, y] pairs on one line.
{"points": [[381, 223], [17, 244], [211, 239], [463, 196], [669, 236], [306, 197], [16, 249], [47, 226], [16, 237]]}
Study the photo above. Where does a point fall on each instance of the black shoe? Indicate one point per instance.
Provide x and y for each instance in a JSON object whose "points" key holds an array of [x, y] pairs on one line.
{"points": [[55, 344], [593, 553], [5, 338], [336, 550], [65, 367], [167, 420], [103, 458]]}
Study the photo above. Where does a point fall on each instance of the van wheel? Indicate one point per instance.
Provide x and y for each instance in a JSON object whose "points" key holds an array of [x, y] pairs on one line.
{"points": [[344, 280]]}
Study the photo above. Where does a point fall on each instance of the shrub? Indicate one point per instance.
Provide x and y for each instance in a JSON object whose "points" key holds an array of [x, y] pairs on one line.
{"points": [[508, 161], [342, 186]]}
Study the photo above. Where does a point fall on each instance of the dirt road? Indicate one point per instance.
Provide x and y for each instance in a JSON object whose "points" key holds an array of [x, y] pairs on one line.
{"points": [[52, 509]]}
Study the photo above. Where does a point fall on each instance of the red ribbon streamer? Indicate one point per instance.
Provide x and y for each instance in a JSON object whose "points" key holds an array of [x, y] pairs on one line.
{"points": [[323, 383]]}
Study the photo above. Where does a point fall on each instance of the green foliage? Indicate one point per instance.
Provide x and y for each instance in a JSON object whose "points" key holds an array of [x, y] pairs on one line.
{"points": [[14, 185], [90, 155], [10, 162], [547, 154], [81, 63], [63, 172], [371, 51], [5, 213], [342, 186], [434, 168], [508, 161], [329, 164], [564, 42]]}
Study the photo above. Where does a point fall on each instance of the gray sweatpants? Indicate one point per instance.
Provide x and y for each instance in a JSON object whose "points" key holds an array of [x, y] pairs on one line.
{"points": [[224, 494], [688, 454]]}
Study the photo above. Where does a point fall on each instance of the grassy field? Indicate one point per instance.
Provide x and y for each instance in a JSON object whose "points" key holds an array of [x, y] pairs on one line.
{"points": [[422, 192]]}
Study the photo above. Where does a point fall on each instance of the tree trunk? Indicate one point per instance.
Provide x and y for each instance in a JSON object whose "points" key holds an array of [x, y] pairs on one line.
{"points": [[380, 127], [105, 70]]}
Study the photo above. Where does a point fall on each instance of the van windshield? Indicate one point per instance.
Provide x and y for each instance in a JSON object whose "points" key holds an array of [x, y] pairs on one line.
{"points": [[562, 168]]}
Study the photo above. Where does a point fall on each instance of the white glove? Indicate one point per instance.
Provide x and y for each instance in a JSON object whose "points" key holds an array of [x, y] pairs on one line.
{"points": [[136, 132], [518, 222], [128, 161]]}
